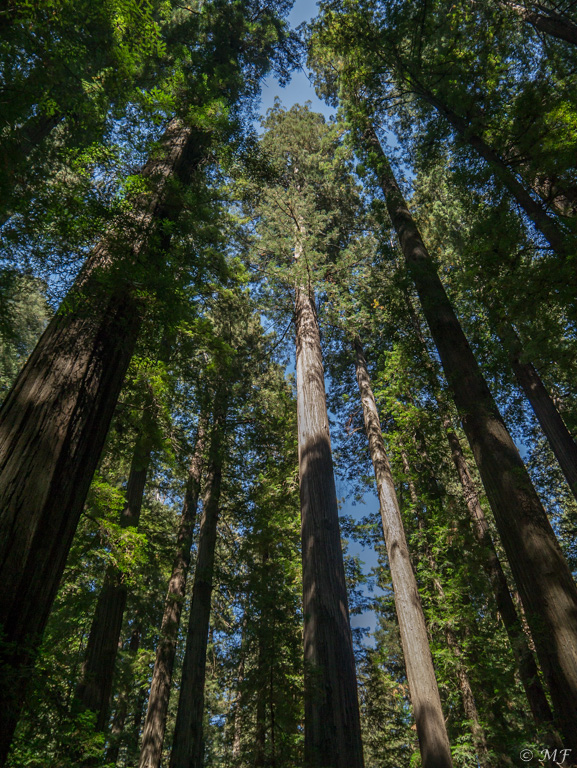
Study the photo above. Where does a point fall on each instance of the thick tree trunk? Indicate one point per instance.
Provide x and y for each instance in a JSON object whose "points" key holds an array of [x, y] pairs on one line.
{"points": [[552, 424], [332, 723], [156, 714], [524, 658], [463, 682], [54, 421], [433, 739], [546, 21], [188, 743], [541, 572], [95, 685], [560, 241]]}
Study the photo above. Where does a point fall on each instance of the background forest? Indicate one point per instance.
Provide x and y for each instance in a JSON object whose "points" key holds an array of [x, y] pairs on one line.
{"points": [[181, 276]]}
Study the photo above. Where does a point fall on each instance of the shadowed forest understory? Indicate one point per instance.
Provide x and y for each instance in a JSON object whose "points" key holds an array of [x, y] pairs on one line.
{"points": [[224, 329]]}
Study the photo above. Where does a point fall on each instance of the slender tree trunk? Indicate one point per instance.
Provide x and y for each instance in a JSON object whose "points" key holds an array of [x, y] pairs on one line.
{"points": [[540, 570], [188, 742], [95, 685], [549, 22], [524, 657], [156, 714], [332, 722], [119, 719], [465, 689], [551, 230], [552, 424], [54, 421], [433, 739]]}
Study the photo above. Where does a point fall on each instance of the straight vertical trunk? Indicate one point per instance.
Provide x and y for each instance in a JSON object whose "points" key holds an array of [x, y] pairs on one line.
{"points": [[54, 421], [156, 714], [526, 664], [433, 739], [188, 744], [119, 719], [552, 424], [540, 570], [332, 722], [95, 685]]}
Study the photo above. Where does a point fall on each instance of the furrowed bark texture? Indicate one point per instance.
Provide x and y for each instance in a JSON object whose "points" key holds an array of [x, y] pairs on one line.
{"points": [[524, 658], [541, 573], [332, 723], [188, 743], [552, 424], [156, 713], [428, 713], [95, 685], [53, 424]]}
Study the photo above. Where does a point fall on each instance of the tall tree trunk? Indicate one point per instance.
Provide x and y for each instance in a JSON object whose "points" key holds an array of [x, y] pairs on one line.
{"points": [[540, 570], [465, 689], [524, 657], [119, 719], [433, 739], [95, 685], [188, 743], [552, 424], [156, 714], [332, 722], [560, 241], [548, 22], [54, 421]]}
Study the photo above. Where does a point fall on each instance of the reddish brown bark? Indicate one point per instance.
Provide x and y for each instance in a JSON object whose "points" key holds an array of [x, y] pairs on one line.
{"points": [[428, 713], [540, 570], [157, 711], [54, 421], [332, 723]]}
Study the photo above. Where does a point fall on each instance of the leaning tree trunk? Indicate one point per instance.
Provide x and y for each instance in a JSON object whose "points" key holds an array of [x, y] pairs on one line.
{"points": [[552, 424], [548, 22], [94, 688], [491, 564], [332, 722], [560, 241], [157, 711], [540, 570], [428, 713], [54, 421], [463, 682], [188, 744], [119, 719]]}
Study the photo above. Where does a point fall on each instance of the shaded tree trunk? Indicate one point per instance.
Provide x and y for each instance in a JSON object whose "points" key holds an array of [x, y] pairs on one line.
{"points": [[551, 230], [546, 21], [428, 713], [463, 682], [552, 424], [332, 723], [540, 570], [188, 742], [156, 714], [524, 657], [54, 421], [94, 688], [119, 719]]}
